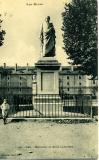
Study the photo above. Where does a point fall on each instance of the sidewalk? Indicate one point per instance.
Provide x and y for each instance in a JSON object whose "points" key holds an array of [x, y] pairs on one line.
{"points": [[34, 139]]}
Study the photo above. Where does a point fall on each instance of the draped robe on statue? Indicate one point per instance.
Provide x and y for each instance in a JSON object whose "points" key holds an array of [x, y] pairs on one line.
{"points": [[48, 40]]}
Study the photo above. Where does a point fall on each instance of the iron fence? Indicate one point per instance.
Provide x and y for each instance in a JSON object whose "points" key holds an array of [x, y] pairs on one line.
{"points": [[49, 106]]}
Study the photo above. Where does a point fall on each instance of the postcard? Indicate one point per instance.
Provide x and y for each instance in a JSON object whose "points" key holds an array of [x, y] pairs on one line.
{"points": [[48, 79]]}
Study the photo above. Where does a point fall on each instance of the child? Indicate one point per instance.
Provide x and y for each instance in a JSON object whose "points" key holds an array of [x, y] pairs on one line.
{"points": [[5, 110]]}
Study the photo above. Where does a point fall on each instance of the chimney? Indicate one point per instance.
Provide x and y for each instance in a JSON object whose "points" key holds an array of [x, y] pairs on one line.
{"points": [[16, 66], [72, 68], [27, 67], [4, 65]]}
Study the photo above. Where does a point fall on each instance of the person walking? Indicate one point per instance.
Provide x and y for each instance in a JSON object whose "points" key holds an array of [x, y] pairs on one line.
{"points": [[5, 107]]}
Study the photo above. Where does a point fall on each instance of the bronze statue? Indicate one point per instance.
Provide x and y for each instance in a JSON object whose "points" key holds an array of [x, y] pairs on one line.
{"points": [[47, 38]]}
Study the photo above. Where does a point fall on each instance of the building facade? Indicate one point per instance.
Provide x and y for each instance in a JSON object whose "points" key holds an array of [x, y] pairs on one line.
{"points": [[21, 80], [74, 81], [16, 82]]}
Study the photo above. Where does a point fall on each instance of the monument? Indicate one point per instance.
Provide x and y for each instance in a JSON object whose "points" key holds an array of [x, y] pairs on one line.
{"points": [[47, 67], [47, 70]]}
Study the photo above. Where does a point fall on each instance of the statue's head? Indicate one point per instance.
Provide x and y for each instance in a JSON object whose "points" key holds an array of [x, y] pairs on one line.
{"points": [[47, 19]]}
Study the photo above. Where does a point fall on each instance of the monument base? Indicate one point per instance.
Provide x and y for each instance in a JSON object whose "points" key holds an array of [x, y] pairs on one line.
{"points": [[48, 105], [48, 75], [47, 100]]}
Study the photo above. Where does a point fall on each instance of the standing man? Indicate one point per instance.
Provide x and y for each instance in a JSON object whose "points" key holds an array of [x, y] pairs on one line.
{"points": [[5, 110]]}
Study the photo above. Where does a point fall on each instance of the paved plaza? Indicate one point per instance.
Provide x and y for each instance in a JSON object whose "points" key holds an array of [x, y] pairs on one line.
{"points": [[30, 139]]}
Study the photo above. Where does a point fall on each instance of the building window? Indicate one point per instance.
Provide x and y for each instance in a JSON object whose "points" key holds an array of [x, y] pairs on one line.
{"points": [[8, 89], [80, 83], [67, 83], [68, 89], [20, 89], [93, 81], [8, 77], [94, 94], [67, 77], [79, 77], [8, 84], [20, 78]]}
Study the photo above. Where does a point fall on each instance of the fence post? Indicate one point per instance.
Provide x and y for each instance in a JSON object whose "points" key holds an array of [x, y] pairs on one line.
{"points": [[91, 107], [91, 112]]}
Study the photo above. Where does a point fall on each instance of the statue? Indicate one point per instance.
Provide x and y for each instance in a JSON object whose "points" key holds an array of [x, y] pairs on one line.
{"points": [[47, 38]]}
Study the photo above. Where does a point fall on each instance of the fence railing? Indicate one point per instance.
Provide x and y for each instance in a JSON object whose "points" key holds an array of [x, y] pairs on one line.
{"points": [[78, 90], [50, 106]]}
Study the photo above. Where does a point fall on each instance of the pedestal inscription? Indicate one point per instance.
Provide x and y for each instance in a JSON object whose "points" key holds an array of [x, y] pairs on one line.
{"points": [[47, 79]]}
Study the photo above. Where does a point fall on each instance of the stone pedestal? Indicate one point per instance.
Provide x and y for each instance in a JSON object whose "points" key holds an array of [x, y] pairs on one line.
{"points": [[47, 100], [47, 75]]}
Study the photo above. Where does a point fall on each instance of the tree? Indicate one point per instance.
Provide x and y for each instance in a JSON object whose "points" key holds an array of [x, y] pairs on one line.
{"points": [[80, 34], [2, 33]]}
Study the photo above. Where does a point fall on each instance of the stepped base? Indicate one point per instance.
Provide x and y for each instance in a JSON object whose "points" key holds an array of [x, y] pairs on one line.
{"points": [[47, 104], [47, 99]]}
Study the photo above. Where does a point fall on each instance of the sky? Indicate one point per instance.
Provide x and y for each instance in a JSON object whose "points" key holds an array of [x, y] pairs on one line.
{"points": [[22, 21]]}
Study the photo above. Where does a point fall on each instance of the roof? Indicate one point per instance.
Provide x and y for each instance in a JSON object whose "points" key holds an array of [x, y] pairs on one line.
{"points": [[65, 70], [18, 70]]}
